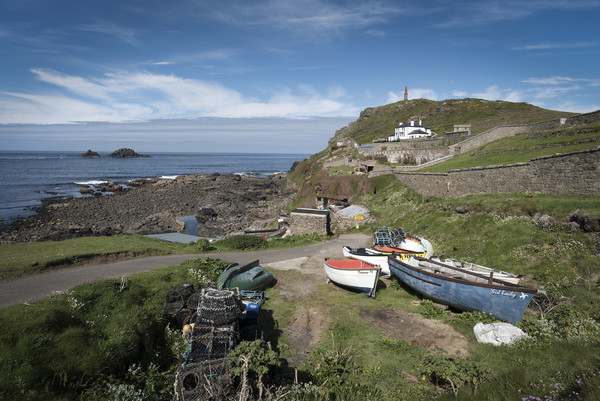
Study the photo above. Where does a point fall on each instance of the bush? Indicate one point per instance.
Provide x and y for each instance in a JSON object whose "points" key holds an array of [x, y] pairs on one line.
{"points": [[242, 242]]}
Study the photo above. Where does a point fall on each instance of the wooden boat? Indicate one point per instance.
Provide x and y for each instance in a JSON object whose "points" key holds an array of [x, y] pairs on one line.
{"points": [[354, 274], [463, 289], [251, 277], [370, 256], [401, 253], [499, 274], [397, 238], [268, 233]]}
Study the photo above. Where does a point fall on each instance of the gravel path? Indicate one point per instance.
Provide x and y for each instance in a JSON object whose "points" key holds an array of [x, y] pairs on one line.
{"points": [[39, 286]]}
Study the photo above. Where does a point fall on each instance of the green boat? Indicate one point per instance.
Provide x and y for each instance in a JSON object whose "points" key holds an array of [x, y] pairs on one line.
{"points": [[251, 277]]}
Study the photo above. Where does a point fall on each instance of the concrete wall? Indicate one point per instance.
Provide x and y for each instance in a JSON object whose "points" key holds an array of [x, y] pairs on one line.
{"points": [[572, 174]]}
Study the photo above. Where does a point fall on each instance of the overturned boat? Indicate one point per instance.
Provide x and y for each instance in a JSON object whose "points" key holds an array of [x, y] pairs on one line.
{"points": [[251, 276]]}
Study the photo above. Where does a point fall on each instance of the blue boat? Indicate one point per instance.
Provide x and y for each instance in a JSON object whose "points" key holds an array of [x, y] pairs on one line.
{"points": [[463, 289]]}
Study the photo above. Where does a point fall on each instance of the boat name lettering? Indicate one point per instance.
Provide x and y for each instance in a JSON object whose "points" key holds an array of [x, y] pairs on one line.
{"points": [[511, 294], [363, 272]]}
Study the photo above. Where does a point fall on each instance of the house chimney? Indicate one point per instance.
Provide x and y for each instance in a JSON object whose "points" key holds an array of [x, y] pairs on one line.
{"points": [[420, 122], [412, 123]]}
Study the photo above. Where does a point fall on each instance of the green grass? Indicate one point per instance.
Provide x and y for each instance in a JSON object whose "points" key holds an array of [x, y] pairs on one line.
{"points": [[521, 149], [70, 346], [34, 257], [340, 170], [18, 260]]}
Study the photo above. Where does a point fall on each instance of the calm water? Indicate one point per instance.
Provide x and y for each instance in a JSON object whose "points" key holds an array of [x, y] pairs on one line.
{"points": [[28, 177]]}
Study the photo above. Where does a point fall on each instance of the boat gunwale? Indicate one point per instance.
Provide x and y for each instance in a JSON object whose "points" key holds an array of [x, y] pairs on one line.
{"points": [[508, 274], [372, 267], [502, 285]]}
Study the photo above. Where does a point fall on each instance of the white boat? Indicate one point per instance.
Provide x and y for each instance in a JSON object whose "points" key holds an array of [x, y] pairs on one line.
{"points": [[353, 274], [483, 270], [370, 256]]}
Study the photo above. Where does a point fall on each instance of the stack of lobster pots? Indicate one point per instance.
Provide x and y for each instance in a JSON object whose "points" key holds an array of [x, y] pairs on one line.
{"points": [[214, 333]]}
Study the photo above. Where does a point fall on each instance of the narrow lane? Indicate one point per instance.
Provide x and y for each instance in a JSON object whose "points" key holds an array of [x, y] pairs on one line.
{"points": [[39, 286]]}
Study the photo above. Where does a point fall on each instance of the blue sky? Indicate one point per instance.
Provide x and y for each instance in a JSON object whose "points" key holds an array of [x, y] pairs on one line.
{"points": [[273, 75]]}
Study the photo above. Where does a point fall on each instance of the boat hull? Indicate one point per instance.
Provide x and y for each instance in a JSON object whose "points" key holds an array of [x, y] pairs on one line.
{"points": [[397, 252], [500, 299], [251, 277], [353, 274], [376, 259]]}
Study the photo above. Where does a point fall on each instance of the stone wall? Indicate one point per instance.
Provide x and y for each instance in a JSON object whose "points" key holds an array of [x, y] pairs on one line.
{"points": [[507, 130], [409, 156], [572, 174], [309, 221]]}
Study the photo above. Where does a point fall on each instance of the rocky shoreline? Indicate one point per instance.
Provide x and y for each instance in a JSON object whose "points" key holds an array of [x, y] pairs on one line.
{"points": [[153, 206]]}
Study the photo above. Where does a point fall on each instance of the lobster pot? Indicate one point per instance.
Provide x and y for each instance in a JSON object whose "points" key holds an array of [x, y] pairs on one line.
{"points": [[207, 380], [177, 298], [194, 300], [183, 317], [250, 330], [209, 342], [218, 307], [398, 235]]}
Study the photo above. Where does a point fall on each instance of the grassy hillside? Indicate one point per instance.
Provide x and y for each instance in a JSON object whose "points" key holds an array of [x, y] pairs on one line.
{"points": [[522, 148], [110, 339], [440, 116]]}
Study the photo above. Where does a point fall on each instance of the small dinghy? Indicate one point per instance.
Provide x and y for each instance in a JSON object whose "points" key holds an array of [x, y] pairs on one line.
{"points": [[353, 274], [251, 276]]}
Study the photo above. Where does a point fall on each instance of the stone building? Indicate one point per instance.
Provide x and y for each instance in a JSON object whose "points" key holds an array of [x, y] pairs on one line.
{"points": [[309, 221]]}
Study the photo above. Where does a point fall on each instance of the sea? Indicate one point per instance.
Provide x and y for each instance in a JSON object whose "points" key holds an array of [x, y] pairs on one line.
{"points": [[29, 177]]}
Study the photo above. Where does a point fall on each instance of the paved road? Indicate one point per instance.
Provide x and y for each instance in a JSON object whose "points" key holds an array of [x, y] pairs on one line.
{"points": [[43, 285]]}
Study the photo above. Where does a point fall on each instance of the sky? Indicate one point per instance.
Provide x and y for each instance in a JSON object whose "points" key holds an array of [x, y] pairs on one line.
{"points": [[274, 75]]}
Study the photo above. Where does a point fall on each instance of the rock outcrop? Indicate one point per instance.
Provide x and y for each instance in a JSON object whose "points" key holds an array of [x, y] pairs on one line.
{"points": [[126, 152], [232, 204]]}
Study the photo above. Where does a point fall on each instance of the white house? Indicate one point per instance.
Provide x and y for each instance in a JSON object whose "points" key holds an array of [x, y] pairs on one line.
{"points": [[410, 130]]}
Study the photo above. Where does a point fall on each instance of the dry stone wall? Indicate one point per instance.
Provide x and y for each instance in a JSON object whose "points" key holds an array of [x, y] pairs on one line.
{"points": [[504, 131], [572, 174]]}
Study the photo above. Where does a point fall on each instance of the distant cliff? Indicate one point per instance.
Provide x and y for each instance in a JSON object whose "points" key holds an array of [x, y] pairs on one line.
{"points": [[119, 153]]}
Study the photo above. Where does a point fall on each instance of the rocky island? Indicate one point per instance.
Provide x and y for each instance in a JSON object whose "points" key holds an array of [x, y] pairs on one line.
{"points": [[119, 153]]}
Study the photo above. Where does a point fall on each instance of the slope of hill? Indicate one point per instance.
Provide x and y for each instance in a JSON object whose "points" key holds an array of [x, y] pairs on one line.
{"points": [[440, 116]]}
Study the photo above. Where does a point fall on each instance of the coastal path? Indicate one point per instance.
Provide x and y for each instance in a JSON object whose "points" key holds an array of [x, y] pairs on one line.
{"points": [[32, 288]]}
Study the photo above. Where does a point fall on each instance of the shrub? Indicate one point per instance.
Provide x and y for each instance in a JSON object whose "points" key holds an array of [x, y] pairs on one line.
{"points": [[447, 371], [242, 242], [250, 361]]}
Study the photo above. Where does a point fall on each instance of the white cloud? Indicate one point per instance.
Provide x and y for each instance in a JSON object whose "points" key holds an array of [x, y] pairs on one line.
{"points": [[142, 96], [413, 94], [495, 93], [491, 93], [423, 94], [459, 94], [577, 108], [126, 35], [554, 46]]}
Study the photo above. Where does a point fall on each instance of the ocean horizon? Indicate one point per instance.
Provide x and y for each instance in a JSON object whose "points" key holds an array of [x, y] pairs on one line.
{"points": [[28, 177]]}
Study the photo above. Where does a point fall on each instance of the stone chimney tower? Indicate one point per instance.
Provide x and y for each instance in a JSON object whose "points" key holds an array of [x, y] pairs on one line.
{"points": [[405, 93]]}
